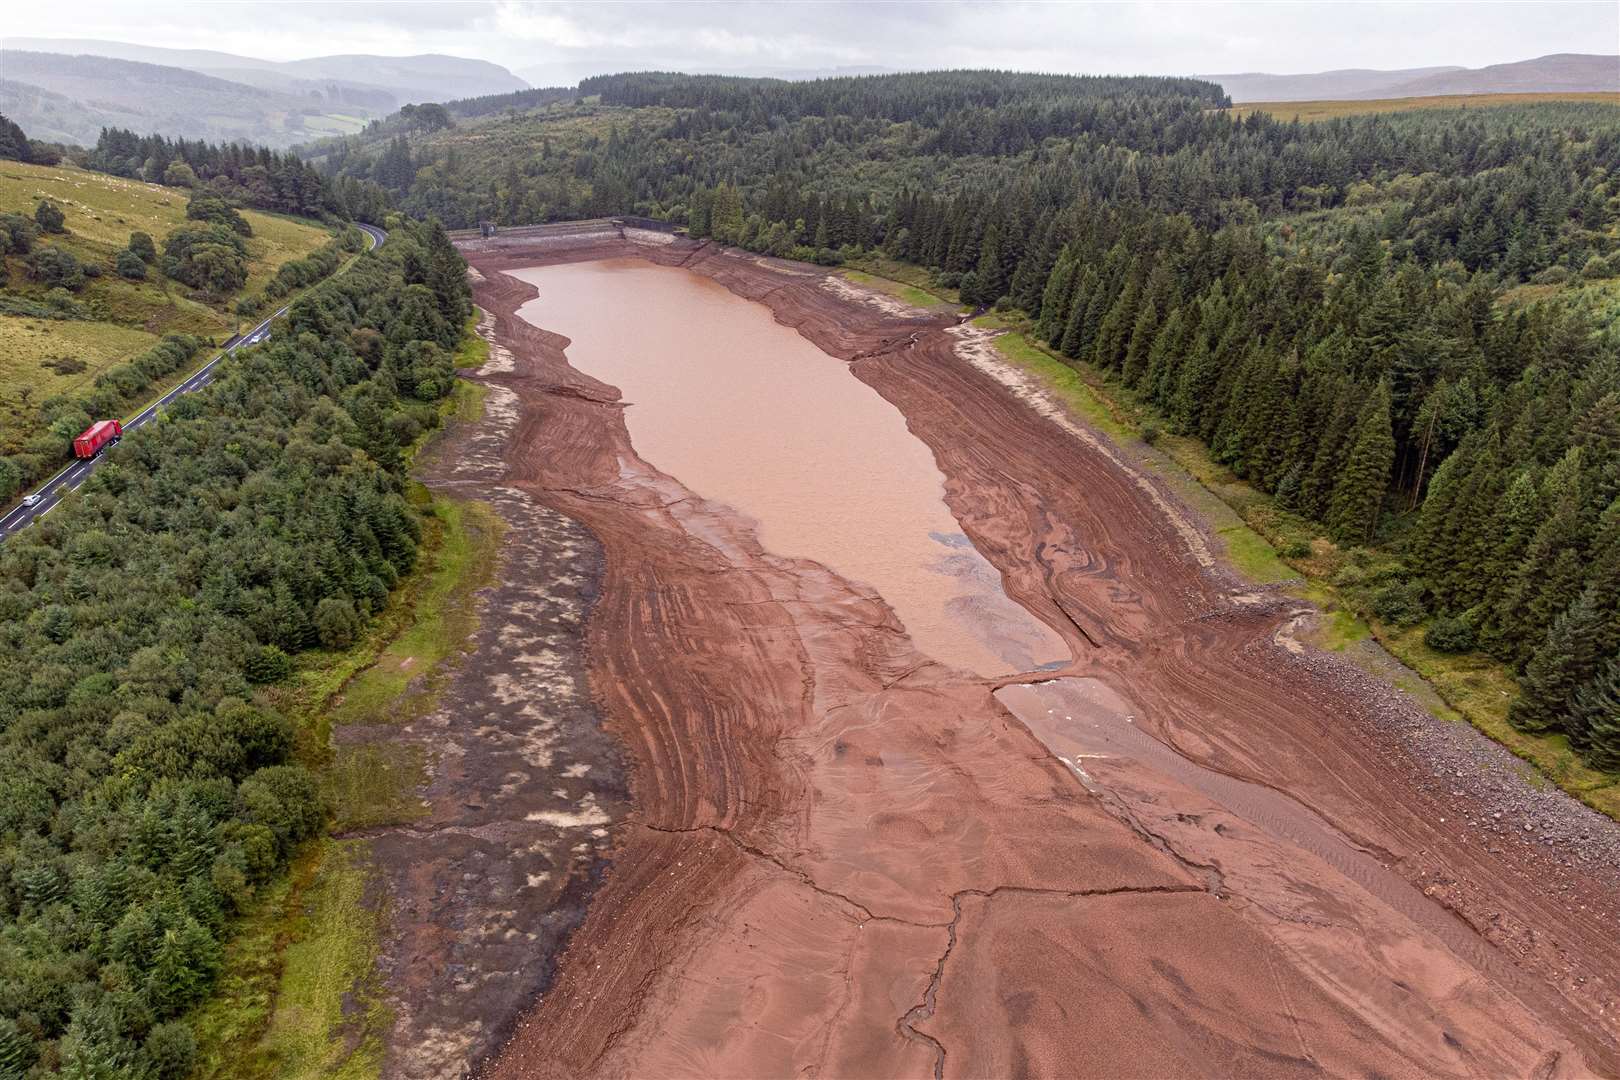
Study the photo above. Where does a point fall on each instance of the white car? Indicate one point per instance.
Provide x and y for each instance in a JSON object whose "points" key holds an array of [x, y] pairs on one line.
{"points": [[33, 499]]}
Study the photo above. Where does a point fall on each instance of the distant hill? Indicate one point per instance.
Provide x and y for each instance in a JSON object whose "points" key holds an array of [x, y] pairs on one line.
{"points": [[429, 77], [1559, 73], [66, 89], [71, 98], [1318, 86]]}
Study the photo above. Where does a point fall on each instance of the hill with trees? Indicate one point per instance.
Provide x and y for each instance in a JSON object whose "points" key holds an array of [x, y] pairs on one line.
{"points": [[1321, 304], [110, 285]]}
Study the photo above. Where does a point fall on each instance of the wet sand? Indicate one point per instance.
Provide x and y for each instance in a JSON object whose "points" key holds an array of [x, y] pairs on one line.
{"points": [[844, 860]]}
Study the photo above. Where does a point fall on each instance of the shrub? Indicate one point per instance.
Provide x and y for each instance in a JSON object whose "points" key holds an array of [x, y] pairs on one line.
{"points": [[20, 233], [336, 624], [141, 244], [216, 211], [1400, 604], [211, 258], [1449, 634], [130, 265], [1150, 433], [49, 216], [56, 268]]}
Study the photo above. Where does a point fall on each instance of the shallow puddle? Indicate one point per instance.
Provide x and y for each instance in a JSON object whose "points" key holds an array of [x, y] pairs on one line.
{"points": [[744, 411]]}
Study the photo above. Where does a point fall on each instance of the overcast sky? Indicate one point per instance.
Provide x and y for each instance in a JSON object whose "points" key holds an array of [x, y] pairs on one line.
{"points": [[560, 42]]}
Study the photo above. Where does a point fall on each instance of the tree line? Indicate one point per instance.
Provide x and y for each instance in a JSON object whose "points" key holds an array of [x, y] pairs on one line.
{"points": [[148, 787], [1320, 303]]}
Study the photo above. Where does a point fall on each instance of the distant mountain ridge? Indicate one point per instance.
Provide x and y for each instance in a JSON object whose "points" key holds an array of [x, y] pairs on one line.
{"points": [[67, 89], [412, 79], [1556, 73]]}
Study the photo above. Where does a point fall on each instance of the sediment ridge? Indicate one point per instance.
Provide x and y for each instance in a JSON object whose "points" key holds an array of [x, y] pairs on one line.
{"points": [[841, 858]]}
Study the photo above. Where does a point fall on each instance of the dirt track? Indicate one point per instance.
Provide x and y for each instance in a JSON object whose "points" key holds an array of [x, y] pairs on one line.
{"points": [[845, 860]]}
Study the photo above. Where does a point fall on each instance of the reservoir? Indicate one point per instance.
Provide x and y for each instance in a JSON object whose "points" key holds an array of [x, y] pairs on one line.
{"points": [[744, 411]]}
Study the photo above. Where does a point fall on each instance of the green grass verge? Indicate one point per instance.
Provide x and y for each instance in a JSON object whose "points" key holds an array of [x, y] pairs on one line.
{"points": [[1472, 687], [300, 998], [910, 294], [474, 350], [913, 284]]}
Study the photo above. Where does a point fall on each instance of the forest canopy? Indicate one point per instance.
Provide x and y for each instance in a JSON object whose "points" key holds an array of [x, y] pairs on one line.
{"points": [[147, 786]]}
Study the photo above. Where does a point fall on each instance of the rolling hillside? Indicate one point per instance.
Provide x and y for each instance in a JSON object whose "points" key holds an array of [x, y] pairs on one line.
{"points": [[1560, 73], [71, 98], [66, 90], [42, 357]]}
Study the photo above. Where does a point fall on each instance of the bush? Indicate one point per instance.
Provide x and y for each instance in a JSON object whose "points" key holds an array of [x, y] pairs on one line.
{"points": [[1298, 549], [49, 217], [336, 624], [56, 268], [1150, 433], [216, 211], [141, 244], [211, 258], [131, 266], [1449, 634], [20, 233], [1596, 267], [1400, 604], [170, 1051]]}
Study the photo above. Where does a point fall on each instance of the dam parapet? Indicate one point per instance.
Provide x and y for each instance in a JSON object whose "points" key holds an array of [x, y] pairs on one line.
{"points": [[565, 234]]}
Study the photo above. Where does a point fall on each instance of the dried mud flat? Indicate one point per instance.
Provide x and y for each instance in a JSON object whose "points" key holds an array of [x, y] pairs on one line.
{"points": [[1194, 851], [480, 892]]}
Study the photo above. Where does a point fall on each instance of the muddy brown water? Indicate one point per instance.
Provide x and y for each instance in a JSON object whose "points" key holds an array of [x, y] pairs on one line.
{"points": [[744, 411]]}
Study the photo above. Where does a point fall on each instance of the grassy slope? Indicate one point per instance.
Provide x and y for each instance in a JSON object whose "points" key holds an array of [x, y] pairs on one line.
{"points": [[101, 212], [38, 358], [1326, 110], [298, 999]]}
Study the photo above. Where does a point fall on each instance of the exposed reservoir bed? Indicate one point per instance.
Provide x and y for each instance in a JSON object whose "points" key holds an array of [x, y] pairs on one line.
{"points": [[744, 411]]}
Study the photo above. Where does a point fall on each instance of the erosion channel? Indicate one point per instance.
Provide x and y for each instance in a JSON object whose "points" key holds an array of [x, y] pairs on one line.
{"points": [[951, 749]]}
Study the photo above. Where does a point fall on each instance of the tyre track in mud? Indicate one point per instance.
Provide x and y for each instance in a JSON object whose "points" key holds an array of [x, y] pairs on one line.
{"points": [[791, 755]]}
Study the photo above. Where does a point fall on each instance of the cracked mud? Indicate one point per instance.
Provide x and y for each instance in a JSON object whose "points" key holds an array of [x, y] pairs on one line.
{"points": [[841, 857]]}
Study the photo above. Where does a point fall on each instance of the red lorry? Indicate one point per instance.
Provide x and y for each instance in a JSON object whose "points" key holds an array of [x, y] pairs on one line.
{"points": [[97, 437]]}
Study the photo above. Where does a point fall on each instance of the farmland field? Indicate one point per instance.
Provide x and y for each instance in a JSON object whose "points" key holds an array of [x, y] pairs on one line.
{"points": [[1327, 110]]}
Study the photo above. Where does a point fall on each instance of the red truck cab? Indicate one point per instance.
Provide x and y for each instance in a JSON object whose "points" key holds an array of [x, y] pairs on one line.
{"points": [[97, 437]]}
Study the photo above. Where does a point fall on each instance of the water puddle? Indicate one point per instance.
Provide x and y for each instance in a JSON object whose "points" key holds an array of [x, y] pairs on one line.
{"points": [[744, 411]]}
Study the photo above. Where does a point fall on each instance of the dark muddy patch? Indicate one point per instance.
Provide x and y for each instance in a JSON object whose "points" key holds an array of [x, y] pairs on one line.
{"points": [[518, 783]]}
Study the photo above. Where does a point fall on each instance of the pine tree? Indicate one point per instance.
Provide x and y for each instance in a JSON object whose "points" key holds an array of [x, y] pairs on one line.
{"points": [[1567, 660], [1359, 493], [1594, 721], [991, 278]]}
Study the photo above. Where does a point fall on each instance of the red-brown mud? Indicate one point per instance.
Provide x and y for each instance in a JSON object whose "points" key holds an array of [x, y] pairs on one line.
{"points": [[842, 859]]}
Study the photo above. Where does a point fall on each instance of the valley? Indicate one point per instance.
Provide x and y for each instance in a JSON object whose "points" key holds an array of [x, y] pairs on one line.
{"points": [[955, 565], [863, 855]]}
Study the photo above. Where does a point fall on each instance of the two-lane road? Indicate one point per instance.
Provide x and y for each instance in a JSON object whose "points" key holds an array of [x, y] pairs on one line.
{"points": [[52, 491]]}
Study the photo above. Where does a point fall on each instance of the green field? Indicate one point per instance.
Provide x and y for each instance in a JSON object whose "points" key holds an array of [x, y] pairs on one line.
{"points": [[1327, 110], [43, 357]]}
